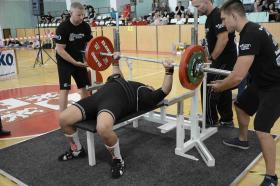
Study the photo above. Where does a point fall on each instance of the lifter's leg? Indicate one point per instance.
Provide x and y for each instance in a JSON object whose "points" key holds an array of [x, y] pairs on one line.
{"points": [[67, 119], [104, 128]]}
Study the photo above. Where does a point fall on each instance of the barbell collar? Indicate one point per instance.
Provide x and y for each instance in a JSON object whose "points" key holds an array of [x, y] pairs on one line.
{"points": [[137, 58], [216, 71]]}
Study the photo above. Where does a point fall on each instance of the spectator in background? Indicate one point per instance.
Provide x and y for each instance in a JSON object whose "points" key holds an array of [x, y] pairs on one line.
{"points": [[180, 20], [155, 8], [273, 14], [264, 5], [156, 19], [65, 15], [179, 10], [258, 6], [13, 42], [164, 8], [36, 42], [91, 13], [165, 17], [49, 18], [113, 13]]}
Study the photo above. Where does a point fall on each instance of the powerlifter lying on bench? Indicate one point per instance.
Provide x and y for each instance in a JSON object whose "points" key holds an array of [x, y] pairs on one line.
{"points": [[116, 99]]}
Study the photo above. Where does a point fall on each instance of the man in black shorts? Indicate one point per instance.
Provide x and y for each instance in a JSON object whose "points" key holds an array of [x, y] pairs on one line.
{"points": [[72, 36], [223, 54], [259, 54], [116, 99]]}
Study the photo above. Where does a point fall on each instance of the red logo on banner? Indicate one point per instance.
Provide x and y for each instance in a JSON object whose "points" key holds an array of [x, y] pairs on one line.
{"points": [[31, 110]]}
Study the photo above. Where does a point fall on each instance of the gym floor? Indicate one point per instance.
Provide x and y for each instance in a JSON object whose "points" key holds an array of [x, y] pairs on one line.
{"points": [[148, 73]]}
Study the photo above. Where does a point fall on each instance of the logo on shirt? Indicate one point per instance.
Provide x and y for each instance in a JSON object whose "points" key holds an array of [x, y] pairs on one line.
{"points": [[245, 46], [206, 30], [58, 37], [219, 26], [73, 36]]}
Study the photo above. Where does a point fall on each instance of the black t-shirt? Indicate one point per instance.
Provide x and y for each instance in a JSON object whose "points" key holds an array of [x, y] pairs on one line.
{"points": [[181, 10], [213, 27], [256, 40], [74, 37], [145, 98]]}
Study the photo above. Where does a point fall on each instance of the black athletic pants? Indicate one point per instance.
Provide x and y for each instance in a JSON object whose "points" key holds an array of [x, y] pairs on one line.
{"points": [[218, 102]]}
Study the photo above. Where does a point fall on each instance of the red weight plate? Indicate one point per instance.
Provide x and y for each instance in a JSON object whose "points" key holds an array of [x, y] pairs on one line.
{"points": [[186, 56], [99, 78], [92, 54]]}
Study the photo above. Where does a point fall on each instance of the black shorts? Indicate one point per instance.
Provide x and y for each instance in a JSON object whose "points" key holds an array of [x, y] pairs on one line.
{"points": [[65, 71], [248, 100], [265, 103], [110, 98]]}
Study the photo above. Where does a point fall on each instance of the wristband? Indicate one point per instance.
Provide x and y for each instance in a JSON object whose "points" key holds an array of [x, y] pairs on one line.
{"points": [[115, 63], [169, 70]]}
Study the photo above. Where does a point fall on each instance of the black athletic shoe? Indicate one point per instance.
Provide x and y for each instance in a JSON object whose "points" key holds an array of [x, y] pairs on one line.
{"points": [[235, 142], [4, 132], [117, 168], [269, 181], [69, 155], [207, 125], [226, 124]]}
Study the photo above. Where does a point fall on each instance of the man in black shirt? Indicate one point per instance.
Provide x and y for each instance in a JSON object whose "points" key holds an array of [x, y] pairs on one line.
{"points": [[116, 99], [180, 10], [72, 37], [222, 51], [260, 56]]}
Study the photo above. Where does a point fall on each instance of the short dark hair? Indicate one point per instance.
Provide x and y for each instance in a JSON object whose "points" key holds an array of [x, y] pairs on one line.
{"points": [[234, 6]]}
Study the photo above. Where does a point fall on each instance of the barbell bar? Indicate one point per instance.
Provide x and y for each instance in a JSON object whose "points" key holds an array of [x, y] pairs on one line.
{"points": [[201, 67], [137, 58], [99, 56]]}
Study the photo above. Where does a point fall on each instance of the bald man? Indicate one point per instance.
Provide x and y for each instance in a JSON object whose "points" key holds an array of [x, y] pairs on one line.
{"points": [[72, 37]]}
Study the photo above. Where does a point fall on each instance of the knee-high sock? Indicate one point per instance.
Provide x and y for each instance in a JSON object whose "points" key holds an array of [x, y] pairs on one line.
{"points": [[115, 150], [74, 141]]}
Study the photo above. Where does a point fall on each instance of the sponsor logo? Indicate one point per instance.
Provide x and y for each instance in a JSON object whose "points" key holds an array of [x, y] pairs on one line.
{"points": [[58, 37], [219, 26], [74, 36], [245, 46], [6, 59]]}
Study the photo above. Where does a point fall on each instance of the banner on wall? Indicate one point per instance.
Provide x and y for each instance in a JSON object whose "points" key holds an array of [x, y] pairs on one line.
{"points": [[1, 37], [8, 67]]}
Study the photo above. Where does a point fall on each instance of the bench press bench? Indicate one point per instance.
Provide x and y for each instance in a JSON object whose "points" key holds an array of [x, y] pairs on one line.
{"points": [[90, 127], [178, 122]]}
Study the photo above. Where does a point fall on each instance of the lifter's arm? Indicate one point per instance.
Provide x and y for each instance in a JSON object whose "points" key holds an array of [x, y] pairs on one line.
{"points": [[115, 64], [168, 77]]}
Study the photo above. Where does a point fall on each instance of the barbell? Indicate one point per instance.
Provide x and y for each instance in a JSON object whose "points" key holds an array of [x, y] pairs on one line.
{"points": [[99, 56]]}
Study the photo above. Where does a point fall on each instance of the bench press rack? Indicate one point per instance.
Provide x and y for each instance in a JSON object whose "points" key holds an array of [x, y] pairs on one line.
{"points": [[197, 134]]}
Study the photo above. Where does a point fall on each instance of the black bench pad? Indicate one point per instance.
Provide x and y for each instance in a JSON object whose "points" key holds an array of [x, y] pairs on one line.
{"points": [[90, 125]]}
